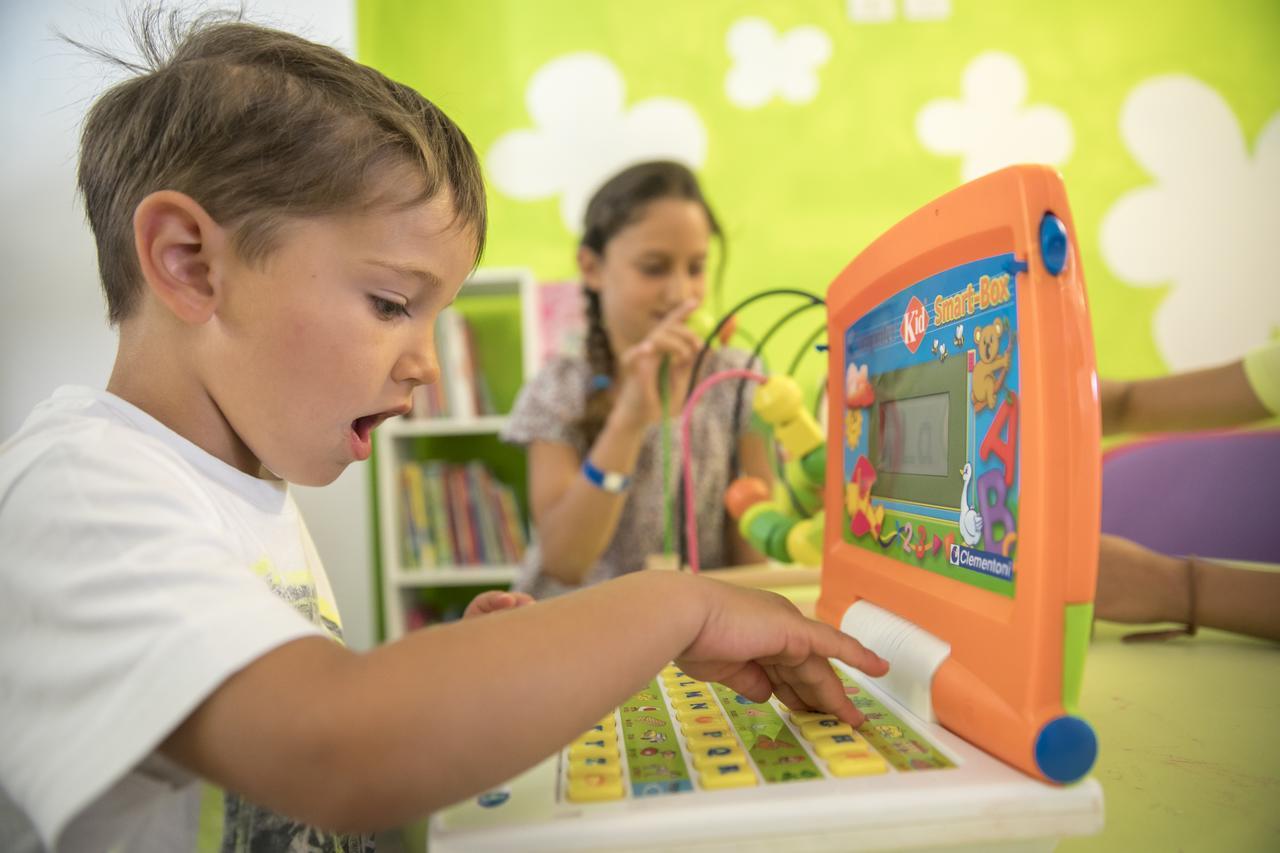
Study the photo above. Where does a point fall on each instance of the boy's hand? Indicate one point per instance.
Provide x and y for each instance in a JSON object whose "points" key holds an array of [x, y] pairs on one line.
{"points": [[494, 600], [758, 644]]}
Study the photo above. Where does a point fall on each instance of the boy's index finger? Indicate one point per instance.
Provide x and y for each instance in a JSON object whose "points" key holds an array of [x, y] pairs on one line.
{"points": [[837, 644]]}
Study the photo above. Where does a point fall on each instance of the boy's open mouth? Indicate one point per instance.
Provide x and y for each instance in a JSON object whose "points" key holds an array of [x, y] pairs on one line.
{"points": [[364, 426]]}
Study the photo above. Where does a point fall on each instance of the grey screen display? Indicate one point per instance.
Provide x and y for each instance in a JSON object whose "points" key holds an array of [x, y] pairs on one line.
{"points": [[913, 435]]}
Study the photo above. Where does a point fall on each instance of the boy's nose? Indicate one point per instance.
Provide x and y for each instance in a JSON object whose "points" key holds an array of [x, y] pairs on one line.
{"points": [[418, 365]]}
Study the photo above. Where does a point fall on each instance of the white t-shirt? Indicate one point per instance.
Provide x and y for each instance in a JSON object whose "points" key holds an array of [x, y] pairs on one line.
{"points": [[137, 572]]}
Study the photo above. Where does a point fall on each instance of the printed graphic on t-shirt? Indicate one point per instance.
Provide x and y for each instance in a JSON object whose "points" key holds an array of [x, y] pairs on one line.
{"points": [[299, 589], [247, 828]]}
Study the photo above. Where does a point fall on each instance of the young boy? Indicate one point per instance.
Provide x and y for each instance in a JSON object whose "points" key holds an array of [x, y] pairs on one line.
{"points": [[277, 229]]}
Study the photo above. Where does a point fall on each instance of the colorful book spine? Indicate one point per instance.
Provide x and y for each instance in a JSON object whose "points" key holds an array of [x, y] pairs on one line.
{"points": [[481, 482], [440, 514]]}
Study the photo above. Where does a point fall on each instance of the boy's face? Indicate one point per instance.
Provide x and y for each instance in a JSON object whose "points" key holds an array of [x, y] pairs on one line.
{"points": [[650, 267], [329, 335]]}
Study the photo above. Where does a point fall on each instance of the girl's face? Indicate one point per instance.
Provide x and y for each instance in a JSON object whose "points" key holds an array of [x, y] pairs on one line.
{"points": [[649, 268]]}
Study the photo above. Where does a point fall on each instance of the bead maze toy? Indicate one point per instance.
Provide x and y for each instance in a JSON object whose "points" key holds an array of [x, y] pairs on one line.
{"points": [[952, 504]]}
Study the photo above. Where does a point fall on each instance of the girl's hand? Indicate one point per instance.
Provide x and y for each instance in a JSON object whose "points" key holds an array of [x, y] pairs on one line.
{"points": [[758, 644], [639, 398], [491, 601]]}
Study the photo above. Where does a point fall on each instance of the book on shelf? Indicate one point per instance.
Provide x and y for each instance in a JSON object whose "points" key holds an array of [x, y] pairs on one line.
{"points": [[457, 515], [463, 390], [419, 542], [460, 511], [441, 522], [562, 320]]}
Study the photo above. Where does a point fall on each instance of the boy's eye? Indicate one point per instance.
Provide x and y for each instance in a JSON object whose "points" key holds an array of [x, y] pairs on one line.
{"points": [[388, 309]]}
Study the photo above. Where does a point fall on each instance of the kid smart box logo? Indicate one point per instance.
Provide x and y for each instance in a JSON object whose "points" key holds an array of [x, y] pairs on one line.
{"points": [[915, 320]]}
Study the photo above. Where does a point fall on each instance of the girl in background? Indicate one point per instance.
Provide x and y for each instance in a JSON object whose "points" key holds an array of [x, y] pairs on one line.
{"points": [[593, 423]]}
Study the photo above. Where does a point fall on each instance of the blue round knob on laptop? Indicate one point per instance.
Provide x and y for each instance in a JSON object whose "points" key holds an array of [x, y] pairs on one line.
{"points": [[1053, 243], [1065, 749]]}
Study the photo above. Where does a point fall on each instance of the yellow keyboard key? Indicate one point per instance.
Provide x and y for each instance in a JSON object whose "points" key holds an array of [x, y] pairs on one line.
{"points": [[727, 776], [592, 750], [857, 764], [597, 766], [608, 739], [710, 738], [802, 717], [594, 788], [609, 729], [717, 756], [696, 729], [829, 745], [689, 716], [694, 706], [818, 728]]}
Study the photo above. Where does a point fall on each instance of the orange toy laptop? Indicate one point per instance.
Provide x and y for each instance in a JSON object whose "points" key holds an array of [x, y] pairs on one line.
{"points": [[965, 406], [961, 531]]}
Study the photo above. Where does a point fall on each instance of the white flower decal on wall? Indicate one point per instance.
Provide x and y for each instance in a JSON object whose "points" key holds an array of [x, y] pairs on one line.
{"points": [[584, 132], [880, 11], [767, 63], [1204, 228], [989, 127]]}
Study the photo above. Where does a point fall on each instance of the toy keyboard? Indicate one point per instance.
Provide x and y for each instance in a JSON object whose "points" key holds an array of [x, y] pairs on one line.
{"points": [[688, 765], [681, 734]]}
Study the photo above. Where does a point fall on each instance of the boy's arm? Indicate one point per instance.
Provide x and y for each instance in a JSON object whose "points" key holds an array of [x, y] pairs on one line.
{"points": [[358, 741], [1200, 399]]}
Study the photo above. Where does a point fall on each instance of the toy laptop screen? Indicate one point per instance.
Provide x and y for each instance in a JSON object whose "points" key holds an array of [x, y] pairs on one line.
{"points": [[930, 426]]}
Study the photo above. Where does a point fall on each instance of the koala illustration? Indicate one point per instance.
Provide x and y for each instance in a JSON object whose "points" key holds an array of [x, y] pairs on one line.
{"points": [[991, 367]]}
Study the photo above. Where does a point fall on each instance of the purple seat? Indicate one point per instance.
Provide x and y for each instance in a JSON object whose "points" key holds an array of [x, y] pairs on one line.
{"points": [[1207, 494]]}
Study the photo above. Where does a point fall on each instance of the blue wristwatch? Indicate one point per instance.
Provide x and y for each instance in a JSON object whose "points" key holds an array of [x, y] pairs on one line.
{"points": [[609, 481]]}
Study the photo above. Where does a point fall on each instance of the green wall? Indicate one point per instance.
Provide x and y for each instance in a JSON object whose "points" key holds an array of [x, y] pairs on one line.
{"points": [[802, 187]]}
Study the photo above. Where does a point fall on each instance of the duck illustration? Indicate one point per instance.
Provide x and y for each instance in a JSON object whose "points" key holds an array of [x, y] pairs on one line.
{"points": [[970, 519]]}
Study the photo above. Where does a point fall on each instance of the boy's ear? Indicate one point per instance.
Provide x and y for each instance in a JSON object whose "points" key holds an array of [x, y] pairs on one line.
{"points": [[178, 246], [589, 263]]}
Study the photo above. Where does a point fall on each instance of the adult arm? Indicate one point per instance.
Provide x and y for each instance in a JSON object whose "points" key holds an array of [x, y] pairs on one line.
{"points": [[1138, 585], [1200, 399]]}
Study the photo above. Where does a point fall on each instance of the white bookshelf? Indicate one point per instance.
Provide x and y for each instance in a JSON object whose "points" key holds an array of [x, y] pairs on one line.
{"points": [[400, 440]]}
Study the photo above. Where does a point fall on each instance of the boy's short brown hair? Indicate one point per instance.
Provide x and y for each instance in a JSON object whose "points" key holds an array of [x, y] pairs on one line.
{"points": [[258, 126]]}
